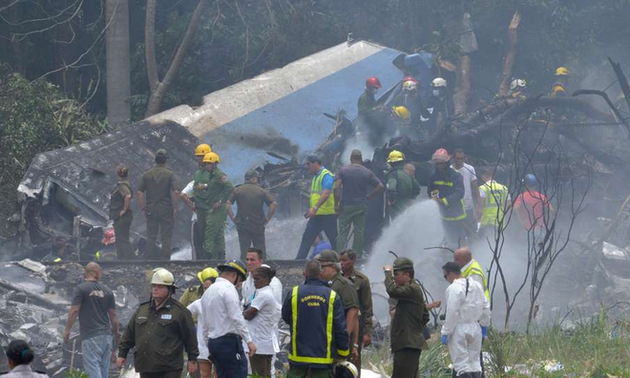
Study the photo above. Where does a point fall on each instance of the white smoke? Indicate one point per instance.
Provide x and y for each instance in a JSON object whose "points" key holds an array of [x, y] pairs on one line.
{"points": [[417, 228]]}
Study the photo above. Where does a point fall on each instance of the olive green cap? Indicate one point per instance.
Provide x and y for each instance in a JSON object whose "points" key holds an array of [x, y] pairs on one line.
{"points": [[328, 255], [250, 174], [162, 151], [402, 263]]}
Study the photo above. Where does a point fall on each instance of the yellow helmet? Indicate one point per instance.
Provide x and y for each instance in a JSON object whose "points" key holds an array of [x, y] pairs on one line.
{"points": [[202, 150], [562, 71], [211, 157], [207, 274], [402, 112], [395, 156]]}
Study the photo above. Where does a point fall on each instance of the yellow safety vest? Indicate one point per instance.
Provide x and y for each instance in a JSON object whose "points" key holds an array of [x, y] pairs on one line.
{"points": [[496, 198], [475, 269], [327, 207]]}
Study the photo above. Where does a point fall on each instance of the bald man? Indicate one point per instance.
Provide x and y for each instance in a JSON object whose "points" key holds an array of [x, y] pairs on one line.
{"points": [[410, 169], [471, 268], [95, 307]]}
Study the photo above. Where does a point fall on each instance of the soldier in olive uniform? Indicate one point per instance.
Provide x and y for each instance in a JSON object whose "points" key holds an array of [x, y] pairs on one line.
{"points": [[361, 282], [250, 220], [401, 187], [160, 330], [212, 190], [331, 273], [120, 213], [410, 317], [162, 194]]}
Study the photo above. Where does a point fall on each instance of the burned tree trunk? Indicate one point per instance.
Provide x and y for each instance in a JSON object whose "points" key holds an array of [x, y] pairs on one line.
{"points": [[510, 57], [468, 43]]}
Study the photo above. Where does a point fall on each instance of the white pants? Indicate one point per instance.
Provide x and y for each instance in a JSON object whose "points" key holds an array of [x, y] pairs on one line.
{"points": [[464, 345]]}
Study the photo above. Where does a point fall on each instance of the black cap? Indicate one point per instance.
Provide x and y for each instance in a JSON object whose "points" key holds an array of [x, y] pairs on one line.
{"points": [[313, 159]]}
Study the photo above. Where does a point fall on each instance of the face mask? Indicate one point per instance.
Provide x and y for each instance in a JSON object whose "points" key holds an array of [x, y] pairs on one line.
{"points": [[437, 92]]}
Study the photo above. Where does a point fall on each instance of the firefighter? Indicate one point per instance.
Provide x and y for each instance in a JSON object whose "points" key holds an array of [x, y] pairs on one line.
{"points": [[315, 316], [560, 85], [212, 190], [401, 187], [446, 187], [518, 89], [206, 278], [188, 196], [437, 105], [367, 101]]}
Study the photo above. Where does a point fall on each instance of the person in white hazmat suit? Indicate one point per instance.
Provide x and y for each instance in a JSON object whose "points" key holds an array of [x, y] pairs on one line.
{"points": [[467, 321]]}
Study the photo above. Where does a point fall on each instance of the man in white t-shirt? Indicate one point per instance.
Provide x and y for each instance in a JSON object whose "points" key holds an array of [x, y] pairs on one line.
{"points": [[254, 261], [471, 190], [262, 317]]}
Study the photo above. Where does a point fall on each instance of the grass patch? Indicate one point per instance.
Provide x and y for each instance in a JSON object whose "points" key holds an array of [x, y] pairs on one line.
{"points": [[593, 348]]}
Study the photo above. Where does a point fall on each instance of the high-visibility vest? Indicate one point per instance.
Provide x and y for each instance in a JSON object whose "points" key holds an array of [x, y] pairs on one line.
{"points": [[327, 207], [475, 269], [496, 198]]}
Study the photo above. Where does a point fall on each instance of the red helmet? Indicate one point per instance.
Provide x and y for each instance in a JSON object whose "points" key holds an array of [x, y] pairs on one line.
{"points": [[109, 237], [441, 155], [373, 83], [409, 78]]}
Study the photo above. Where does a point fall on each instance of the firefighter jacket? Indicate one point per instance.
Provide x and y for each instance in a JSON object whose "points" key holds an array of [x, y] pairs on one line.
{"points": [[401, 190], [449, 187], [315, 315]]}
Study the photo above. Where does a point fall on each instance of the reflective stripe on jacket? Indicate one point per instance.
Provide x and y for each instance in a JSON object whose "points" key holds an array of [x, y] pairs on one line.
{"points": [[475, 269], [327, 207], [449, 186], [318, 327], [495, 202]]}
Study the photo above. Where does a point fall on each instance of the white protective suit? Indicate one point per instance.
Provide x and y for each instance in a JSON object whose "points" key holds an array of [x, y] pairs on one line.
{"points": [[465, 314]]}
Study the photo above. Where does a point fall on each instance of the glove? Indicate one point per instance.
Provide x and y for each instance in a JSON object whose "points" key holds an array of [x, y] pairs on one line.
{"points": [[445, 339], [484, 332]]}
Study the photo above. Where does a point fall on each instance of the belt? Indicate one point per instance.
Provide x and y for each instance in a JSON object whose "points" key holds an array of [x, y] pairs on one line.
{"points": [[228, 335]]}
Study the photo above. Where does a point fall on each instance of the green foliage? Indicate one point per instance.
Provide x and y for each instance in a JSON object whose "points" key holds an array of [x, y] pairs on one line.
{"points": [[587, 350], [76, 373], [36, 117]]}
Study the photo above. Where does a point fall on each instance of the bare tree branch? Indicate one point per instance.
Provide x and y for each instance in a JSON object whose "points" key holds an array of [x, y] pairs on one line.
{"points": [[155, 100]]}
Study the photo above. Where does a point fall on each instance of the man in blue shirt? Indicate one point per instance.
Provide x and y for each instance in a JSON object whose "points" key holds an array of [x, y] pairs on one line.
{"points": [[321, 213]]}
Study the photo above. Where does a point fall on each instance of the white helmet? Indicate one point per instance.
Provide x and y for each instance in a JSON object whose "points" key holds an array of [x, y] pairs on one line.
{"points": [[409, 85], [163, 277], [438, 82], [346, 369], [518, 83]]}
